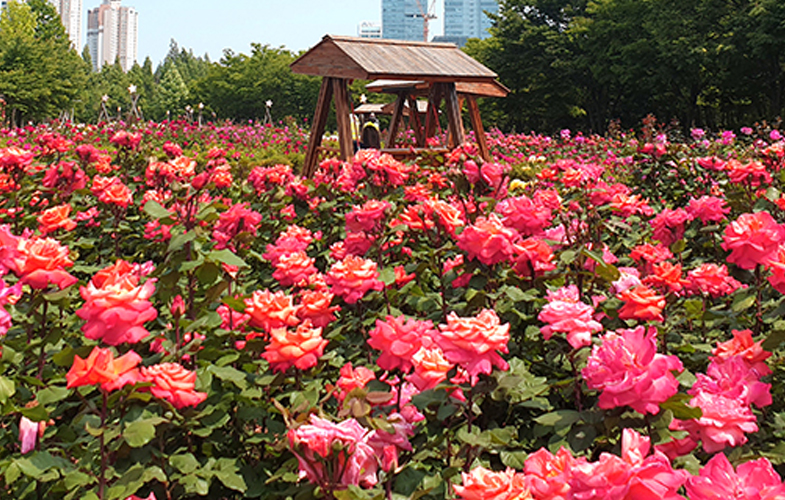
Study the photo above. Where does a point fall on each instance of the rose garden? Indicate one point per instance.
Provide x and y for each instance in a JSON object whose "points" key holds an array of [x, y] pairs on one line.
{"points": [[584, 317]]}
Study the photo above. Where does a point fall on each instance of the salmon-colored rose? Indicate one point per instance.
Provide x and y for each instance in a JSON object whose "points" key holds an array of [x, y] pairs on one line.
{"points": [[116, 194], [173, 383], [270, 310], [56, 218], [399, 338], [473, 342], [294, 268], [315, 307], [41, 261], [116, 306], [641, 303], [484, 484], [430, 368], [301, 348], [488, 240], [352, 277], [101, 367]]}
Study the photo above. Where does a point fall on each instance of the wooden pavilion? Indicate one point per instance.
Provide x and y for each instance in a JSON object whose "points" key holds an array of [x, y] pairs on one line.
{"points": [[440, 71]]}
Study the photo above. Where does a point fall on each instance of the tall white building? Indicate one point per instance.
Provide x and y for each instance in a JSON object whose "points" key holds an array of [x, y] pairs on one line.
{"points": [[369, 29], [71, 14], [112, 34]]}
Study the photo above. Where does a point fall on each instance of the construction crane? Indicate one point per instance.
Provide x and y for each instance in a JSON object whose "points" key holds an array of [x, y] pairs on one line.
{"points": [[426, 16]]}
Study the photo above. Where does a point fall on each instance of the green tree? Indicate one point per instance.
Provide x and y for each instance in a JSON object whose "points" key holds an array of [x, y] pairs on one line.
{"points": [[40, 75], [239, 86]]}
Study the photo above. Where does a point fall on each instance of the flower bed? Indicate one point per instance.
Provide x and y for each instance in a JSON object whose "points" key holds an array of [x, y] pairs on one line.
{"points": [[582, 318]]}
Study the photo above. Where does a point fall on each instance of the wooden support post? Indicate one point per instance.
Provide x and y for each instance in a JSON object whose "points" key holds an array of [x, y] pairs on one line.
{"points": [[317, 127], [343, 111], [415, 122], [454, 120], [432, 116], [397, 117], [479, 131]]}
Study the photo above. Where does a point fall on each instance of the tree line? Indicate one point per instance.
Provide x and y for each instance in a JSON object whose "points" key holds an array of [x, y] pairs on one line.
{"points": [[579, 64], [42, 77], [590, 64]]}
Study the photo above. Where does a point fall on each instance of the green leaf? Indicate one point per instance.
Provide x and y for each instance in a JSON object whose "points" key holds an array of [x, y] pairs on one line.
{"points": [[180, 240], [139, 433], [195, 484], [229, 374], [514, 459], [184, 463], [387, 276], [52, 394], [678, 405], [155, 210], [774, 340], [232, 480], [226, 256], [742, 303], [7, 389], [559, 419], [37, 413]]}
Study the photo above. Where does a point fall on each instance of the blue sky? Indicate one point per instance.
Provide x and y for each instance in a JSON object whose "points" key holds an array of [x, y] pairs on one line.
{"points": [[209, 26]]}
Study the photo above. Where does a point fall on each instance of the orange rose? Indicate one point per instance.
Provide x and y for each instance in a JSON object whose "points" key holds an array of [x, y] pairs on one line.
{"points": [[40, 261], [101, 367], [56, 218], [301, 348], [270, 310], [173, 383], [484, 484], [642, 303]]}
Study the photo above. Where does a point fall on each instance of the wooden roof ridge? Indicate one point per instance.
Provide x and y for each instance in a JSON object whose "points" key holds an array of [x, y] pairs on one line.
{"points": [[385, 41], [374, 59]]}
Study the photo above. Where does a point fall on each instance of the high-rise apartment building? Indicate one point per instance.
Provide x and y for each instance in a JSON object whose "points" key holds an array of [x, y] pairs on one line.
{"points": [[464, 19], [71, 14], [402, 19], [112, 34]]}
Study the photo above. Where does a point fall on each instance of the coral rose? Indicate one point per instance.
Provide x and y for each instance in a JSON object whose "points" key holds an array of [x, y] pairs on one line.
{"points": [[488, 240], [752, 239], [472, 342], [56, 218], [101, 367], [269, 310], [430, 368], [173, 383], [484, 484], [642, 303], [315, 307], [40, 262], [353, 277], [399, 339], [300, 348], [294, 268], [116, 306]]}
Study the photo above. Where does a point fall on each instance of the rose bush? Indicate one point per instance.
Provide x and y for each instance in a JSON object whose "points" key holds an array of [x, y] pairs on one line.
{"points": [[185, 316]]}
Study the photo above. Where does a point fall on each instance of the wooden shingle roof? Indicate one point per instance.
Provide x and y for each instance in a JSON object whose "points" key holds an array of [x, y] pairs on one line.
{"points": [[375, 59]]}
